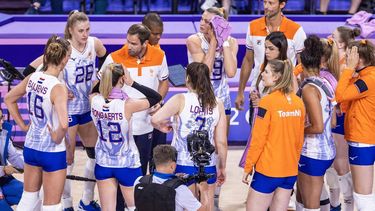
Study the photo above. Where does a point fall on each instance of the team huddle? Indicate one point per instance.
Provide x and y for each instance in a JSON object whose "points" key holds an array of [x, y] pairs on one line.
{"points": [[312, 109]]}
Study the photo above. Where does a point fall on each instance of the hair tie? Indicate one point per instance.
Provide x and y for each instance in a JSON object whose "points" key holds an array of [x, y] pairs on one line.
{"points": [[364, 42], [330, 42], [112, 66]]}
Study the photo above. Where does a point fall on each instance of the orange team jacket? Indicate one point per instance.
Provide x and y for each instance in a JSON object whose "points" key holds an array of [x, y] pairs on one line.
{"points": [[278, 136], [360, 95]]}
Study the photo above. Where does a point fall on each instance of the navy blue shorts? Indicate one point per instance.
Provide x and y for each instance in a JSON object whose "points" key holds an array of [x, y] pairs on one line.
{"points": [[193, 170], [339, 129], [79, 119], [125, 176], [363, 156], [313, 167], [48, 161], [266, 184]]}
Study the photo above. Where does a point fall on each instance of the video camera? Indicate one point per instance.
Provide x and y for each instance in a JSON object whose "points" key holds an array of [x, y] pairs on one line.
{"points": [[200, 150], [9, 72]]}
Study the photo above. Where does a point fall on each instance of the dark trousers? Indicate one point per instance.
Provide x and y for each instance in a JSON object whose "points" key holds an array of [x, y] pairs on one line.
{"points": [[120, 203], [144, 144], [158, 138]]}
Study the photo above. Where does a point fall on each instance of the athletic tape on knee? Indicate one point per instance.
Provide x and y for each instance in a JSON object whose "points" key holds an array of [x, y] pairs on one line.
{"points": [[29, 201], [56, 207], [364, 202], [332, 178]]}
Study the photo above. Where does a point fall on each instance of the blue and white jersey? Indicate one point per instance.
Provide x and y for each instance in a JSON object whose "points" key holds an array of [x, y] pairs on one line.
{"points": [[193, 118], [219, 77], [321, 146], [42, 113], [79, 74], [115, 147]]}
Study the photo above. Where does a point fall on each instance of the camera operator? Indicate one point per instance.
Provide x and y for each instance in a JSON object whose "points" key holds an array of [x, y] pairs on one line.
{"points": [[197, 110], [165, 157]]}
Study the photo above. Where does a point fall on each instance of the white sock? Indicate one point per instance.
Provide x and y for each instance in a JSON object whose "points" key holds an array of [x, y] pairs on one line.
{"points": [[29, 201], [88, 187], [334, 197], [217, 191], [346, 186], [299, 206], [130, 208], [334, 188], [56, 207], [67, 200], [324, 197], [364, 202]]}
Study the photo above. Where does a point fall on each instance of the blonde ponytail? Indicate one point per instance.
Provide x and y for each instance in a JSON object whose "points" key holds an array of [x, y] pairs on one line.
{"points": [[285, 70]]}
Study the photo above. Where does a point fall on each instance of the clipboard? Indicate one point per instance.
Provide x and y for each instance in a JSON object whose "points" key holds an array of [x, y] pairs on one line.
{"points": [[177, 75]]}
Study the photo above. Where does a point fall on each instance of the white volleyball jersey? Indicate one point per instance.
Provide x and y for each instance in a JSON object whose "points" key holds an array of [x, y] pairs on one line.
{"points": [[42, 113], [79, 74], [115, 147], [321, 146], [193, 118], [218, 77]]}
